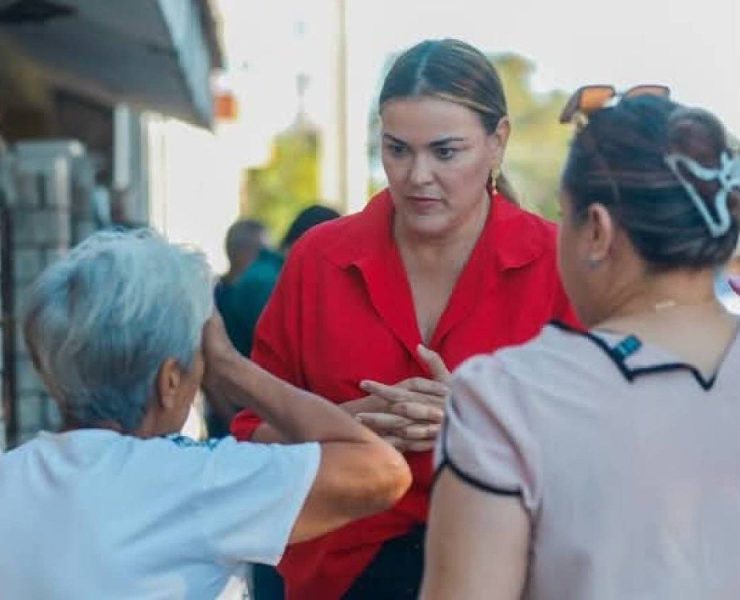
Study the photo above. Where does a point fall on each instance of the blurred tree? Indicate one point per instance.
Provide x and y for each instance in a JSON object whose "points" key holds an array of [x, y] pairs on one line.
{"points": [[538, 142], [289, 182]]}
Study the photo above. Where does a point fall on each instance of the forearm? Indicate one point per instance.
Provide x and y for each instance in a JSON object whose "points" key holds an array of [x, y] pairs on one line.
{"points": [[261, 432], [289, 413], [266, 433]]}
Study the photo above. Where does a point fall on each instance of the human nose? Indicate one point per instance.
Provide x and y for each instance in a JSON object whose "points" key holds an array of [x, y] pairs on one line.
{"points": [[421, 171]]}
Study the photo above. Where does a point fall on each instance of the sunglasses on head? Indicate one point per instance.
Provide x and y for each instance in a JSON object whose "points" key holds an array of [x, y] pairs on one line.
{"points": [[590, 98]]}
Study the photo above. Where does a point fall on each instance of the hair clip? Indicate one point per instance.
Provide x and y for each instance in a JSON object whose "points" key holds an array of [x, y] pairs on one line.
{"points": [[728, 177]]}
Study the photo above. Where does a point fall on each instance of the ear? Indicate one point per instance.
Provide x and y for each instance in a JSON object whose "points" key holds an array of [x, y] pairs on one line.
{"points": [[600, 231], [499, 138], [168, 381]]}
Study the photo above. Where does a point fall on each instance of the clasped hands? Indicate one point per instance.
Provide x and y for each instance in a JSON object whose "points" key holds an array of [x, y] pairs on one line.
{"points": [[409, 414]]}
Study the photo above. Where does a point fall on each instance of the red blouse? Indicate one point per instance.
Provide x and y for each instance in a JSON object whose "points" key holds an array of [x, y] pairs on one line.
{"points": [[342, 312]]}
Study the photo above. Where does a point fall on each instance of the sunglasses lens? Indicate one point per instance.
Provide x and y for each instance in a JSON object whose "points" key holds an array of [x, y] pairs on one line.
{"points": [[595, 97], [648, 90], [586, 100], [591, 98]]}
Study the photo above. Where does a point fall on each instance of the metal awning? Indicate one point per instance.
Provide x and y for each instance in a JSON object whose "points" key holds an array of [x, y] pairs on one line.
{"points": [[154, 54]]}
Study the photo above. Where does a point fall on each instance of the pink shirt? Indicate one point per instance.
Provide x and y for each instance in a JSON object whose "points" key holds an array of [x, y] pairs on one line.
{"points": [[627, 461]]}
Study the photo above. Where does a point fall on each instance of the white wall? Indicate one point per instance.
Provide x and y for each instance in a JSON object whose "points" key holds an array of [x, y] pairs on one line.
{"points": [[194, 184]]}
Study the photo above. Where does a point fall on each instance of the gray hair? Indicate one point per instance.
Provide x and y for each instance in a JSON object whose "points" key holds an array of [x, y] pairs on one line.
{"points": [[101, 321]]}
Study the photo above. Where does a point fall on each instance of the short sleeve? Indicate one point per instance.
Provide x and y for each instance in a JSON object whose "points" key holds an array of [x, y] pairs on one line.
{"points": [[487, 438], [251, 497]]}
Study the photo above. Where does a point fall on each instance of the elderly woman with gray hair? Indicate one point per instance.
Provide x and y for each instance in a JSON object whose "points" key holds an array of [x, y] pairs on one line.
{"points": [[118, 505]]}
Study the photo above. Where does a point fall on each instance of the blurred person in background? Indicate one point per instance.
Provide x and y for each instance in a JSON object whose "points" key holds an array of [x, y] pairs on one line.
{"points": [[606, 463], [241, 295], [243, 291], [118, 505], [440, 266], [306, 219]]}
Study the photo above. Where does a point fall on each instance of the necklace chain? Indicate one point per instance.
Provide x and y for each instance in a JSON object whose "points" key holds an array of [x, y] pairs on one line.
{"points": [[670, 303]]}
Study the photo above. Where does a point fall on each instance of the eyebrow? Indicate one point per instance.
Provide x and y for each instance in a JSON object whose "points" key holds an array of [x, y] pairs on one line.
{"points": [[434, 144], [445, 141]]}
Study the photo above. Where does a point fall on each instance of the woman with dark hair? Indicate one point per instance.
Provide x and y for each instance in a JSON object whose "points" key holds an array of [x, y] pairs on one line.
{"points": [[606, 463], [306, 219], [440, 266]]}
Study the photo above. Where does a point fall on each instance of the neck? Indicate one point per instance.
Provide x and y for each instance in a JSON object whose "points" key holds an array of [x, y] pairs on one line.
{"points": [[148, 427], [665, 294], [679, 313]]}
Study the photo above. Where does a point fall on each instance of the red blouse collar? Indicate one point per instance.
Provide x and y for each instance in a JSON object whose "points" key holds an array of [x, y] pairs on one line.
{"points": [[512, 236]]}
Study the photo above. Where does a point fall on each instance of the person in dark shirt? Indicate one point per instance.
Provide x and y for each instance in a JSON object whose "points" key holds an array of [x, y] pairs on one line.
{"points": [[244, 290], [240, 296]]}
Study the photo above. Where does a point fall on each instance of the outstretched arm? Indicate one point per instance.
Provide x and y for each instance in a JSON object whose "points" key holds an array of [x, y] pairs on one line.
{"points": [[359, 473]]}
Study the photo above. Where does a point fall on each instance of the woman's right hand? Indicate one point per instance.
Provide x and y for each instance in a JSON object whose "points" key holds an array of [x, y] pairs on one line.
{"points": [[414, 413], [409, 414]]}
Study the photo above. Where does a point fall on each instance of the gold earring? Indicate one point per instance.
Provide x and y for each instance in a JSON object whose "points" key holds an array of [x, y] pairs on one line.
{"points": [[495, 172]]}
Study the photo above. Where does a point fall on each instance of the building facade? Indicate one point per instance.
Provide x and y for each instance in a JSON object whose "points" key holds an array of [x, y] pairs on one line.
{"points": [[80, 83]]}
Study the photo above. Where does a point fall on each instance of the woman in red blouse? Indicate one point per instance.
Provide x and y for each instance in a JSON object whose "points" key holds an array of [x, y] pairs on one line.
{"points": [[443, 263]]}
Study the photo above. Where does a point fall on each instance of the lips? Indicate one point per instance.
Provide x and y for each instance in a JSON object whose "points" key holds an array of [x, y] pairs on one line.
{"points": [[423, 199], [423, 205]]}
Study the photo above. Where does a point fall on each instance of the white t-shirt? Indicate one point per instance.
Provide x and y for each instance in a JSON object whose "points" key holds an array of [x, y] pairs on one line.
{"points": [[94, 514]]}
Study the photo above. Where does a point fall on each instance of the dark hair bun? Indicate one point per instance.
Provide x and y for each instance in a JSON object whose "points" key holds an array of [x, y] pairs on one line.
{"points": [[622, 159]]}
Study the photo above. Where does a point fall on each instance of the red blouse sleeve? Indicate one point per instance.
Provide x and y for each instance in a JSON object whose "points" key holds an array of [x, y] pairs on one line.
{"points": [[276, 337]]}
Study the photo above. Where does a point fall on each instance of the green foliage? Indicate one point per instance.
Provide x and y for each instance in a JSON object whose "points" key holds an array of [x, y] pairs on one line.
{"points": [[538, 143], [289, 182]]}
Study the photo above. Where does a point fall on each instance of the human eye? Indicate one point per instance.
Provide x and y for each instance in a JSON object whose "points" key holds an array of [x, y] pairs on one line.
{"points": [[395, 148], [445, 152]]}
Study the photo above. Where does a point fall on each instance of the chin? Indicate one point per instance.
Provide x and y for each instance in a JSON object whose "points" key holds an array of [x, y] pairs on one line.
{"points": [[427, 225]]}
